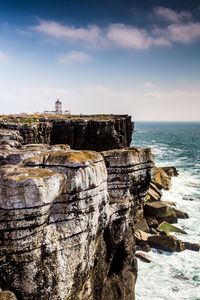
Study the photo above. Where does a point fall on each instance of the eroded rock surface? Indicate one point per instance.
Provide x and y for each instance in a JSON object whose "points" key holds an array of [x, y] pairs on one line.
{"points": [[66, 223], [92, 132]]}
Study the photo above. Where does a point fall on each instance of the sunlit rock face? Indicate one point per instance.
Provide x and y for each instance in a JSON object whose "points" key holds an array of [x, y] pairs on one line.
{"points": [[66, 223]]}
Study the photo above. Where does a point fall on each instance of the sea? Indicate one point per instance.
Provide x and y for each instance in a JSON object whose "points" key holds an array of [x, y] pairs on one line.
{"points": [[174, 275]]}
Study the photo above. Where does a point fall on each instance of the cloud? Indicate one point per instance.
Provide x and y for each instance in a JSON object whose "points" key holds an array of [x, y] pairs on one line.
{"points": [[74, 56], [182, 33], [89, 34], [148, 85], [171, 15], [130, 37], [4, 58], [121, 35]]}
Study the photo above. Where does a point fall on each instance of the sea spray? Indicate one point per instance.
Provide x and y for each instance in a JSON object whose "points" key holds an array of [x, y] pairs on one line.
{"points": [[174, 275]]}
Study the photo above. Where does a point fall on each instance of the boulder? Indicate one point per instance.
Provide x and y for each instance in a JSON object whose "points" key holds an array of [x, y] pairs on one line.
{"points": [[144, 246], [180, 214], [165, 242], [142, 225], [141, 235], [162, 180], [142, 257], [171, 171], [152, 222], [161, 211], [192, 246]]}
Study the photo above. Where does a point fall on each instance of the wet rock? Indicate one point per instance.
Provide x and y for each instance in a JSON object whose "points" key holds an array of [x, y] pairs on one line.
{"points": [[161, 211], [162, 180], [144, 246], [142, 225], [165, 242], [192, 246], [141, 235], [152, 222], [181, 214], [180, 277], [171, 171], [142, 257]]}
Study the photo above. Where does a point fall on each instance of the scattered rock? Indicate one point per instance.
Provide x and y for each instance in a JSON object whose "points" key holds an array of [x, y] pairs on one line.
{"points": [[192, 246], [162, 180], [171, 171], [152, 222], [144, 247], [142, 257], [161, 211], [141, 235], [163, 242], [180, 277], [181, 214], [142, 225]]}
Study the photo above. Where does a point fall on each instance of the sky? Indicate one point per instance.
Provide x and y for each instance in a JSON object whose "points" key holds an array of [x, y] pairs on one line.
{"points": [[108, 56]]}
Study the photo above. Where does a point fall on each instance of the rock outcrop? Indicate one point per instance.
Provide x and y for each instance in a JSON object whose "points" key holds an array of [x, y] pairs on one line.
{"points": [[66, 222], [94, 132]]}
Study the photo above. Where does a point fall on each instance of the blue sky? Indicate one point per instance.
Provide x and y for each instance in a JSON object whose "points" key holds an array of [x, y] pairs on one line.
{"points": [[114, 56]]}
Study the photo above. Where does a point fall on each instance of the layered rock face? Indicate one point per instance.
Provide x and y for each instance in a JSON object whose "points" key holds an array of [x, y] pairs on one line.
{"points": [[35, 133], [66, 223], [97, 132], [100, 133]]}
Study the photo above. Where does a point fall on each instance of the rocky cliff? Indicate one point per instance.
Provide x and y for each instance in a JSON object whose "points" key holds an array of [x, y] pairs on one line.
{"points": [[66, 221], [94, 132]]}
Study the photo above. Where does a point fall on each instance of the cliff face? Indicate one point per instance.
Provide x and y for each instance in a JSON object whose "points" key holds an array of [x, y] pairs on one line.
{"points": [[98, 132], [66, 229], [93, 134]]}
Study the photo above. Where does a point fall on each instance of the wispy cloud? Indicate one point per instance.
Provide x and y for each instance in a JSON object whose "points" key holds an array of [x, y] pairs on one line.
{"points": [[130, 37], [90, 34], [181, 30], [149, 85], [171, 15], [4, 58], [182, 33], [74, 56]]}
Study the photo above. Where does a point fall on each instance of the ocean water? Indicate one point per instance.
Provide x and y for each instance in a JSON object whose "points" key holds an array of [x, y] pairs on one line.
{"points": [[174, 275]]}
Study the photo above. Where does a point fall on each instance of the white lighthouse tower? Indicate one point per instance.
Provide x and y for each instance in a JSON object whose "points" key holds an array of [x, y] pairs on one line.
{"points": [[58, 107]]}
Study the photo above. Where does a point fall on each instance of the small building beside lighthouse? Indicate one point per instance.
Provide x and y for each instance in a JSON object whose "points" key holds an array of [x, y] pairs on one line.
{"points": [[58, 109]]}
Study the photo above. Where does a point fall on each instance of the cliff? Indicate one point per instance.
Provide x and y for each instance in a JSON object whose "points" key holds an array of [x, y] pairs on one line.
{"points": [[94, 132], [66, 221]]}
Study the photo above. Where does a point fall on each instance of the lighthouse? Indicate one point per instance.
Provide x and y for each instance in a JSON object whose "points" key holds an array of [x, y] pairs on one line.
{"points": [[58, 107]]}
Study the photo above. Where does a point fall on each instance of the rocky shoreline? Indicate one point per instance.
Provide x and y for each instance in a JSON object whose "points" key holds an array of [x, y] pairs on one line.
{"points": [[72, 221], [154, 228]]}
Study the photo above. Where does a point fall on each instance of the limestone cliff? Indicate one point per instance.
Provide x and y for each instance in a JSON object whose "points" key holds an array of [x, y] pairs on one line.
{"points": [[66, 221], [94, 132]]}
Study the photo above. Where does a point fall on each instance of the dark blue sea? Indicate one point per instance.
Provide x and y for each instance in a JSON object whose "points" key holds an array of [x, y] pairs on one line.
{"points": [[177, 275]]}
